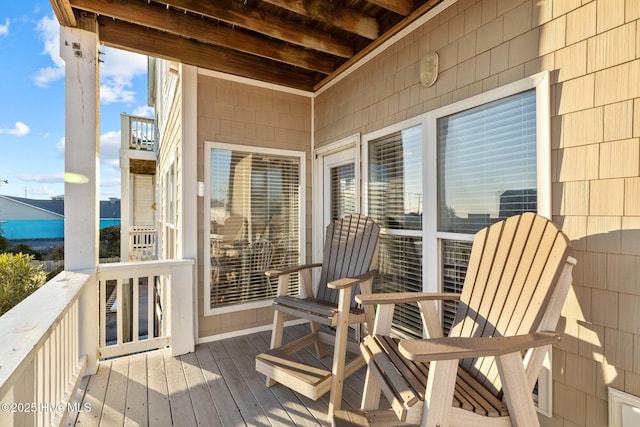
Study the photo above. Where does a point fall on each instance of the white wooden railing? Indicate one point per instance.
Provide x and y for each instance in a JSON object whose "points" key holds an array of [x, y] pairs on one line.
{"points": [[41, 357], [150, 299], [142, 133], [142, 243], [57, 334]]}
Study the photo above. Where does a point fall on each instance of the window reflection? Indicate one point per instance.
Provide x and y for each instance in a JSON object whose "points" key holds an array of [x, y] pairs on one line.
{"points": [[395, 180], [487, 164], [395, 202], [254, 223]]}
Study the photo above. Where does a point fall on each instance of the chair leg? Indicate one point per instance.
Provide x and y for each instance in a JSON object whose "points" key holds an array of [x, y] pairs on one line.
{"points": [[516, 390], [439, 392], [340, 351], [277, 333], [372, 391]]}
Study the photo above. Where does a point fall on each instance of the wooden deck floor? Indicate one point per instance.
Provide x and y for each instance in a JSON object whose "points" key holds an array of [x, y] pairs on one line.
{"points": [[217, 385]]}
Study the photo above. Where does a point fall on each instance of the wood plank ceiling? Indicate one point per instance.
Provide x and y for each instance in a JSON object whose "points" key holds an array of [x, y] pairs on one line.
{"points": [[301, 44]]}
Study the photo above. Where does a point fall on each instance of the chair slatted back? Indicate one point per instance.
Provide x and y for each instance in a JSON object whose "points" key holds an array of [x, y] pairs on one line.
{"points": [[512, 271], [350, 249]]}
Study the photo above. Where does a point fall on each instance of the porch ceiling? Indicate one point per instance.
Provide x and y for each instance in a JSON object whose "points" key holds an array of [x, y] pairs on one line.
{"points": [[302, 44]]}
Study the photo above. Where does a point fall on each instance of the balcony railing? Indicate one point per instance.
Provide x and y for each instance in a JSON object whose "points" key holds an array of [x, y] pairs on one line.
{"points": [[142, 243], [56, 335], [142, 294], [40, 356], [140, 132]]}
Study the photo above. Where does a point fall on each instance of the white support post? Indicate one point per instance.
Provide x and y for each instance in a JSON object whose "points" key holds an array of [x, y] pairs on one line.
{"points": [[79, 50], [181, 310], [125, 206], [188, 248]]}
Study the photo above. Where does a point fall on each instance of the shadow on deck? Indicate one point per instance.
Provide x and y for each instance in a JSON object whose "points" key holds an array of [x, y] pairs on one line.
{"points": [[217, 385]]}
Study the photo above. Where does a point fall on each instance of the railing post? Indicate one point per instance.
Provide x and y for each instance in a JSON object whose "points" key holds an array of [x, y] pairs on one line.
{"points": [[88, 324], [181, 324]]}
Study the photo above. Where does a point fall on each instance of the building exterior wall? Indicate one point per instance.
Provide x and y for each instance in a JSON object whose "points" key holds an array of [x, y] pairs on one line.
{"points": [[236, 113], [169, 114], [20, 221], [592, 51]]}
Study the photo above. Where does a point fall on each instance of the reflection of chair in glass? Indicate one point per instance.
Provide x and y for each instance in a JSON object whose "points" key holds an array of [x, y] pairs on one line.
{"points": [[517, 281], [234, 229], [226, 249], [350, 252], [256, 260]]}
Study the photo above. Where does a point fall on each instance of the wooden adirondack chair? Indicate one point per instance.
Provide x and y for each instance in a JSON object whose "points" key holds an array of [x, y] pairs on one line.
{"points": [[350, 254], [517, 281]]}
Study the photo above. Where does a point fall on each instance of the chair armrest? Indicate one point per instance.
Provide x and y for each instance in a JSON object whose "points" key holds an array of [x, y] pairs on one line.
{"points": [[348, 282], [403, 297], [425, 350], [292, 269]]}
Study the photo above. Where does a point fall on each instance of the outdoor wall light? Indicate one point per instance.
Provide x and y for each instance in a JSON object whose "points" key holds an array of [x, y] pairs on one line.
{"points": [[429, 69]]}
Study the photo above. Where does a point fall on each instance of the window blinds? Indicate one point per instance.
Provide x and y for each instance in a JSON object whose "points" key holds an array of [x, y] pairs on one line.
{"points": [[395, 202], [343, 190], [487, 163], [255, 223]]}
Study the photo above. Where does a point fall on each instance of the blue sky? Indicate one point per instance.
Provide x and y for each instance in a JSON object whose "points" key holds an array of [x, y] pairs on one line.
{"points": [[32, 103]]}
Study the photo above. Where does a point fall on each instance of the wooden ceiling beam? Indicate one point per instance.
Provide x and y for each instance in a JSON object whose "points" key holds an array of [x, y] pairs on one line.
{"points": [[333, 14], [255, 20], [63, 12], [415, 15], [207, 31], [148, 41], [401, 7]]}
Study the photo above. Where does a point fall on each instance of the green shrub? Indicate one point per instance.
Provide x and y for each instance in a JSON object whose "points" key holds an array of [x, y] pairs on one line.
{"points": [[110, 242], [19, 278], [4, 243]]}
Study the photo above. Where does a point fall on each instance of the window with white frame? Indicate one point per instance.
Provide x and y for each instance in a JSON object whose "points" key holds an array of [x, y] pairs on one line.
{"points": [[253, 222], [485, 158], [489, 160], [394, 201]]}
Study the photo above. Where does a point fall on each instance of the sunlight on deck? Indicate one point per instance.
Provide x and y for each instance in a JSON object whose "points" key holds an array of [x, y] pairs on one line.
{"points": [[217, 385]]}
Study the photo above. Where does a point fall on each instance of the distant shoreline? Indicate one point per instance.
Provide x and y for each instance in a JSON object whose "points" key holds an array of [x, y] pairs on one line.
{"points": [[38, 244]]}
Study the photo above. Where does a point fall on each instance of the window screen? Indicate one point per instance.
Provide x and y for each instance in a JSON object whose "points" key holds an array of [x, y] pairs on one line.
{"points": [[254, 223]]}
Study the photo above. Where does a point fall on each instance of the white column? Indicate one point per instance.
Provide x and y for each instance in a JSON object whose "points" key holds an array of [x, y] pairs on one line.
{"points": [[188, 247], [125, 196], [79, 50]]}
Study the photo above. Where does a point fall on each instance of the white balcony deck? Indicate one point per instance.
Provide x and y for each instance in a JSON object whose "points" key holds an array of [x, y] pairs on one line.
{"points": [[217, 385]]}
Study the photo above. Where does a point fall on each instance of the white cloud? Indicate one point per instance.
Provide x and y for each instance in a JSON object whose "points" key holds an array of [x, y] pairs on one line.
{"points": [[60, 147], [51, 178], [49, 32], [144, 111], [113, 91], [110, 148], [117, 72], [4, 29], [19, 129], [110, 182]]}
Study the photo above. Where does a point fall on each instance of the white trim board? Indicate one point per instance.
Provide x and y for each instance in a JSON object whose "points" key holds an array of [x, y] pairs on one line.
{"points": [[624, 409]]}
